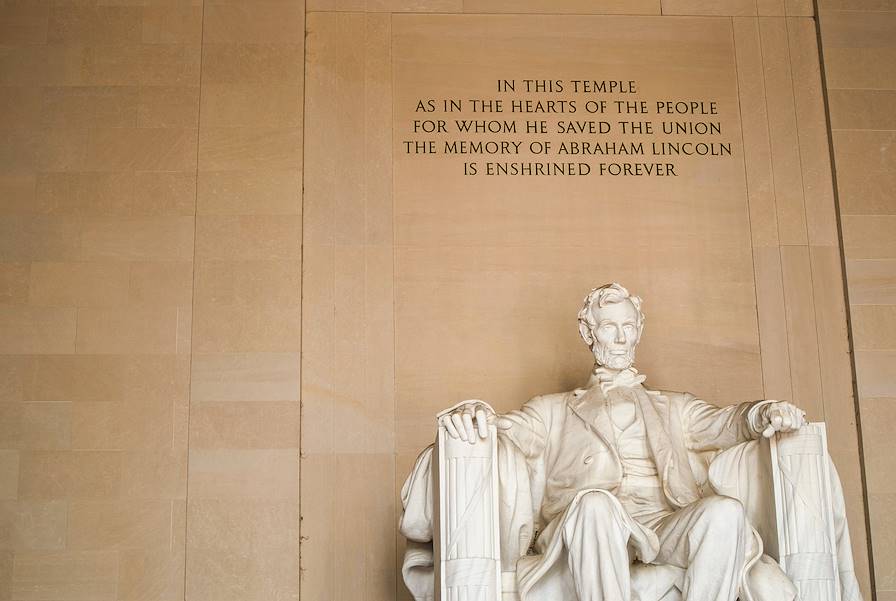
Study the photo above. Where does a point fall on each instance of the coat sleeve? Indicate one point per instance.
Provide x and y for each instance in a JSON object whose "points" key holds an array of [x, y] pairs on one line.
{"points": [[711, 428], [529, 427]]}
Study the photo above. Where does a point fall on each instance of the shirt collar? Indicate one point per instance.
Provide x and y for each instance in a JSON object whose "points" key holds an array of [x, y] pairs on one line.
{"points": [[610, 379]]}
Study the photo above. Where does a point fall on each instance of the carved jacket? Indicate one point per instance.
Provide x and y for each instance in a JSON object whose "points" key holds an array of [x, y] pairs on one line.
{"points": [[569, 436]]}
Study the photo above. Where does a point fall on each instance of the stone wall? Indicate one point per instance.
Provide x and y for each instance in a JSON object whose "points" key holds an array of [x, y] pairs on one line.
{"points": [[160, 287], [859, 51], [150, 286]]}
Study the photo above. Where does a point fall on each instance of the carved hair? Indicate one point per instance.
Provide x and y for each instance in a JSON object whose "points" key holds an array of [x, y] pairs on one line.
{"points": [[608, 294]]}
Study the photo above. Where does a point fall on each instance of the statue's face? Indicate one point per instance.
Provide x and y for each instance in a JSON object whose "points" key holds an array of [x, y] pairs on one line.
{"points": [[616, 334]]}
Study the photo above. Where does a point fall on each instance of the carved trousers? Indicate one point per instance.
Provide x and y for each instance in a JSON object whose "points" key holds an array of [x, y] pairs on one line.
{"points": [[708, 539]]}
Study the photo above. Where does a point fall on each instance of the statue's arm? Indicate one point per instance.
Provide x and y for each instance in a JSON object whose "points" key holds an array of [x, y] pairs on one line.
{"points": [[709, 428], [527, 428]]}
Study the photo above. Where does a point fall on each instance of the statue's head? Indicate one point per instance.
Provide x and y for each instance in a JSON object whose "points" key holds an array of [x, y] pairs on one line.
{"points": [[610, 323]]}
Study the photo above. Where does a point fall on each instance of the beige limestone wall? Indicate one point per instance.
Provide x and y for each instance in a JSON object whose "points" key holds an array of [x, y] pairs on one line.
{"points": [[242, 539], [150, 193], [416, 295], [151, 267], [859, 51]]}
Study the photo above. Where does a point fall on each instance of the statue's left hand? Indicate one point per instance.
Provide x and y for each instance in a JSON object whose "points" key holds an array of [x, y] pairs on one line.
{"points": [[781, 416]]}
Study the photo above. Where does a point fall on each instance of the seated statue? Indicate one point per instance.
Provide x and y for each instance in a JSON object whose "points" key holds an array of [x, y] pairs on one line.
{"points": [[606, 492]]}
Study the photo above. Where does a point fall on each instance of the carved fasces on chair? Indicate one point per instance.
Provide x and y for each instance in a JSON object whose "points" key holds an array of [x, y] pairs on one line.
{"points": [[807, 547], [466, 539]]}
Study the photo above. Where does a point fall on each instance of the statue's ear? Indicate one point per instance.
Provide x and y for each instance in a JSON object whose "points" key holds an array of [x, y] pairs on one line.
{"points": [[585, 332]]}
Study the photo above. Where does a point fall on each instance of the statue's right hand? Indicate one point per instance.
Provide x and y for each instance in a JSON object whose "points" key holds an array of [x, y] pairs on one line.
{"points": [[470, 421]]}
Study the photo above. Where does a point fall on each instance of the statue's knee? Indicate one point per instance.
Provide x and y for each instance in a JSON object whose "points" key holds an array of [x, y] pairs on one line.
{"points": [[723, 510], [597, 503], [595, 511], [596, 516]]}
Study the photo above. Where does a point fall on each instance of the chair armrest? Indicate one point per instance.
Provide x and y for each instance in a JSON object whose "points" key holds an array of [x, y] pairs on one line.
{"points": [[806, 541], [466, 536]]}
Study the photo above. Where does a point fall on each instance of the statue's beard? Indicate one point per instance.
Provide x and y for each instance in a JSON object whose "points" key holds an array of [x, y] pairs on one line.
{"points": [[614, 358]]}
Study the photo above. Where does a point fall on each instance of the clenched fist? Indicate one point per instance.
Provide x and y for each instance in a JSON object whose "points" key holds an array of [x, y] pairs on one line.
{"points": [[780, 416]]}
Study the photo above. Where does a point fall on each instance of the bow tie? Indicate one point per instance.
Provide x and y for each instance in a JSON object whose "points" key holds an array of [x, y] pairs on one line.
{"points": [[625, 378]]}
